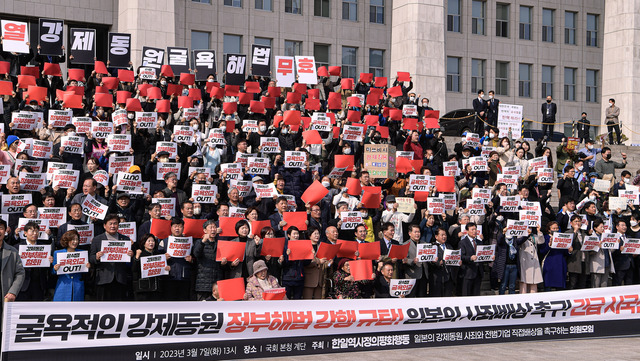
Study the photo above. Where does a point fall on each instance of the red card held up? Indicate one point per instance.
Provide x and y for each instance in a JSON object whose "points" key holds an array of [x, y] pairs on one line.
{"points": [[410, 124], [193, 227], [403, 165], [273, 247], [126, 75], [72, 101], [361, 270], [274, 294], [371, 200], [292, 117], [346, 84], [100, 68], [187, 78], [274, 91], [5, 67], [420, 196], [399, 252], [395, 91], [322, 71], [300, 88], [104, 100], [300, 250], [343, 160], [228, 225], [432, 114], [353, 102], [76, 74], [313, 94], [161, 228], [122, 96], [327, 251], [195, 94], [230, 250], [133, 105], [6, 88], [163, 106], [232, 289], [174, 89], [79, 90], [144, 89], [395, 114], [354, 187], [431, 123], [404, 76], [166, 71], [314, 193], [445, 184], [297, 219], [334, 102], [312, 104], [245, 98], [366, 77], [52, 69], [347, 249], [252, 87], [257, 107], [312, 137], [228, 107], [25, 80], [370, 251], [232, 90], [293, 98], [230, 126], [257, 226], [154, 93], [185, 102], [380, 82], [335, 70], [269, 102], [37, 92]]}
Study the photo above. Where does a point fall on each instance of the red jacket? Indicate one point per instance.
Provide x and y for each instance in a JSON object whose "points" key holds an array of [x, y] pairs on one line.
{"points": [[416, 148]]}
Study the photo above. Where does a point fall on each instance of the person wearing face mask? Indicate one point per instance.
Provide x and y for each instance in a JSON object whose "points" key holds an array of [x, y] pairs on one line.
{"points": [[583, 126], [588, 155], [492, 110], [413, 99], [423, 106], [549, 110], [605, 167], [613, 123], [623, 184], [480, 108]]}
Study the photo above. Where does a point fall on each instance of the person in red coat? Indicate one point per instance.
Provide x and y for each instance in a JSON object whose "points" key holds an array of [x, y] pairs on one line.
{"points": [[412, 145]]}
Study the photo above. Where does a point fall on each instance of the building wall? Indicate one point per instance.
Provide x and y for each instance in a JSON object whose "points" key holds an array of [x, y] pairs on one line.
{"points": [[492, 48]]}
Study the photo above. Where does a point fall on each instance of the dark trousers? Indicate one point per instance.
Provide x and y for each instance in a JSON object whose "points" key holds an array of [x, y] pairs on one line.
{"points": [[621, 277], [113, 291], [440, 288], [548, 128], [420, 288], [174, 290], [610, 127], [294, 292], [471, 287], [478, 126]]}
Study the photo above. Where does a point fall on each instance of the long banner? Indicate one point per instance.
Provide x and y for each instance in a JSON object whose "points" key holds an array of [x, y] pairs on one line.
{"points": [[229, 330]]}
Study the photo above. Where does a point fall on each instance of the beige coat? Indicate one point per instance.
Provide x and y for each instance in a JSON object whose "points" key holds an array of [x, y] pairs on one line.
{"points": [[530, 271]]}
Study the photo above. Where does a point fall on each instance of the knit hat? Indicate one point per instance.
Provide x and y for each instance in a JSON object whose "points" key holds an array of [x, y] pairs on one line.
{"points": [[11, 139]]}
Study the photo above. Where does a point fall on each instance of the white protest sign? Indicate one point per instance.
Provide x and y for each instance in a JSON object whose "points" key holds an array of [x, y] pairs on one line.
{"points": [[485, 253], [146, 120], [294, 159], [401, 287], [179, 247], [66, 178], [561, 240], [115, 251], [91, 207], [510, 120], [153, 266], [350, 220], [204, 193], [85, 231], [35, 255], [72, 262], [426, 252], [452, 257]]}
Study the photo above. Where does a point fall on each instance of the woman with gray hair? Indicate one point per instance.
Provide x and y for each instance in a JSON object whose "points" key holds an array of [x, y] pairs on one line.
{"points": [[259, 282]]}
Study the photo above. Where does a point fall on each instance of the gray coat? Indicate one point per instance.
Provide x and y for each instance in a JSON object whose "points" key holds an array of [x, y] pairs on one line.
{"points": [[412, 269], [530, 271], [577, 257], [596, 262], [12, 274]]}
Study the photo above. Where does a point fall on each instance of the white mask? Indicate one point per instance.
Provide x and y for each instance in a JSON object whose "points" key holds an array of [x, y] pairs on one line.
{"points": [[490, 96], [627, 180], [161, 123], [285, 131], [210, 80], [610, 104], [412, 98], [633, 223], [197, 211], [71, 134], [163, 83], [463, 139], [130, 116], [491, 136], [590, 147], [346, 151], [195, 127], [592, 198], [263, 128], [326, 184], [580, 168]]}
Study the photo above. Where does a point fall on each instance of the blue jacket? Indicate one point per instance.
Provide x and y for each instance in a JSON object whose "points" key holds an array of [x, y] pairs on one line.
{"points": [[70, 287]]}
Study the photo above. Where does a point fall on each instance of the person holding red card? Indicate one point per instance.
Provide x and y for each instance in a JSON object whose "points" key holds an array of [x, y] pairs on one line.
{"points": [[259, 282], [204, 250], [178, 284], [293, 271], [345, 286], [315, 271]]}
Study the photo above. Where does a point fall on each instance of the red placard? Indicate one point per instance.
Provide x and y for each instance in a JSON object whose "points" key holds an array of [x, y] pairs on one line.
{"points": [[292, 117], [232, 90], [395, 114], [25, 80], [76, 74], [110, 82], [104, 100], [161, 228], [273, 247], [361, 270], [30, 70], [322, 71], [274, 91], [126, 75], [312, 137], [257, 226], [244, 98], [380, 82], [72, 101], [122, 96], [257, 107], [346, 84], [403, 165], [228, 107], [252, 87], [354, 187], [195, 94], [274, 294], [187, 79], [297, 219], [445, 184], [230, 250], [395, 91], [133, 105], [399, 252], [6, 88], [154, 93], [37, 93], [404, 76], [371, 200], [231, 289], [5, 67], [100, 68], [343, 160], [314, 193], [300, 250], [335, 70], [166, 71], [163, 106], [185, 102], [193, 227], [52, 69], [366, 77], [313, 94], [174, 89], [334, 102], [327, 251], [347, 249], [293, 98], [228, 225], [370, 251]]}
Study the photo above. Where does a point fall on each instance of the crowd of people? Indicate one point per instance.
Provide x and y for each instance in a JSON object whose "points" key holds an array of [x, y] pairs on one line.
{"points": [[529, 259]]}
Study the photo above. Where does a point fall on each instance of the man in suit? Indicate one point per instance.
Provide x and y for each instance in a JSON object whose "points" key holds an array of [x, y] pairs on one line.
{"points": [[412, 267], [492, 109], [34, 287], [480, 108], [112, 278], [472, 272], [549, 110], [623, 263], [12, 272], [277, 218], [441, 280], [388, 231]]}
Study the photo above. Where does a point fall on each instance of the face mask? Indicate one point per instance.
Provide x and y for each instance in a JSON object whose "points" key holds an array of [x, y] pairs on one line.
{"points": [[590, 147], [491, 136], [185, 92], [425, 104], [610, 104], [71, 134], [412, 98], [607, 157], [593, 180], [263, 128], [195, 127], [490, 96], [580, 168], [633, 223], [480, 96], [130, 116], [210, 80], [285, 131], [163, 160], [163, 83], [161, 123], [627, 180], [376, 139], [364, 214], [346, 151], [463, 139], [326, 184], [592, 198], [197, 211], [430, 157], [389, 205], [548, 101]]}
